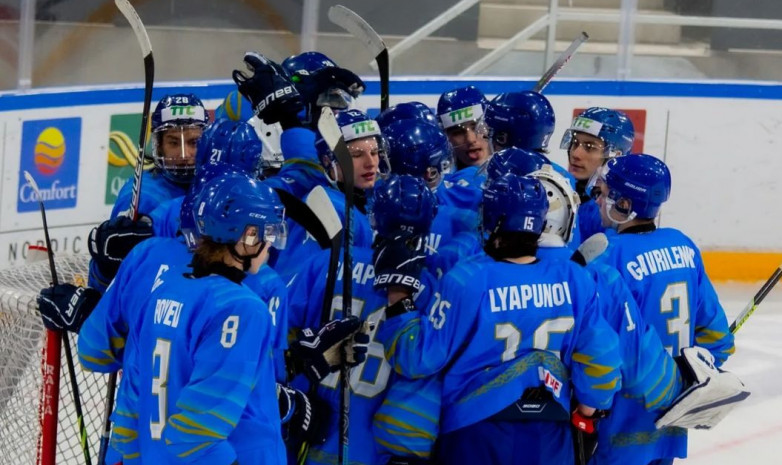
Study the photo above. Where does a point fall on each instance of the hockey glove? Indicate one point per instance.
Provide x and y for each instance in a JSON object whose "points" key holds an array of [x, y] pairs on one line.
{"points": [[398, 262], [113, 240], [65, 306], [709, 395], [322, 88], [273, 96], [303, 419], [318, 354]]}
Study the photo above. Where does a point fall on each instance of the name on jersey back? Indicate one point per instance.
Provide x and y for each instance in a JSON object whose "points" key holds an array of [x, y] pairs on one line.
{"points": [[521, 297], [659, 260]]}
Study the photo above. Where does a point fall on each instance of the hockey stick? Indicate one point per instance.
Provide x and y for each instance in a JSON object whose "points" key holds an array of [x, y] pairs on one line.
{"points": [[306, 216], [130, 14], [142, 37], [329, 129], [64, 334], [350, 21], [319, 202], [752, 305], [561, 61]]}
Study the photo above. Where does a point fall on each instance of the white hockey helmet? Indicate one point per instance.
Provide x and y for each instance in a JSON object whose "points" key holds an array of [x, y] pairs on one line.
{"points": [[563, 204]]}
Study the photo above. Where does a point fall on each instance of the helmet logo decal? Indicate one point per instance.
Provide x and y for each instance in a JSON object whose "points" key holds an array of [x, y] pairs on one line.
{"points": [[176, 112], [360, 129], [586, 125], [462, 115]]}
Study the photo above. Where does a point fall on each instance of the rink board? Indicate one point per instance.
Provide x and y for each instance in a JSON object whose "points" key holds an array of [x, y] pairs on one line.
{"points": [[721, 141]]}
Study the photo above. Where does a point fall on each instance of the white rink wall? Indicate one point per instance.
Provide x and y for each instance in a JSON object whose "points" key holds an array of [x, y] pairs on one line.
{"points": [[721, 140]]}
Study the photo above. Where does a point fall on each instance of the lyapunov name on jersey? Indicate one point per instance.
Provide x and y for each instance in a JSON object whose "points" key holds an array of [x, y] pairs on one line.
{"points": [[167, 312], [658, 260], [521, 297]]}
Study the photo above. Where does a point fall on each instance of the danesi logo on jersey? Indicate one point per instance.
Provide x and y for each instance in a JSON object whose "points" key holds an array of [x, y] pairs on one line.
{"points": [[50, 150], [123, 152]]}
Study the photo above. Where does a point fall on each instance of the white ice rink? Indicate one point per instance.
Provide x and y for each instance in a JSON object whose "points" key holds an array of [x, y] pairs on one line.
{"points": [[751, 434]]}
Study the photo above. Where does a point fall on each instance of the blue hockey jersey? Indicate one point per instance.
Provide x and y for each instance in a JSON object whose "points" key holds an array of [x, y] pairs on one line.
{"points": [[664, 272], [476, 321], [205, 376]]}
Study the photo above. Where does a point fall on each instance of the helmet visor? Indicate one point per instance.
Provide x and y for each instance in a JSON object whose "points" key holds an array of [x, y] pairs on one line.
{"points": [[175, 151]]}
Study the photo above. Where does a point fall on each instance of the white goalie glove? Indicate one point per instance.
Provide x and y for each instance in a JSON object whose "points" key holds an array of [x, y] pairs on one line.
{"points": [[710, 395]]}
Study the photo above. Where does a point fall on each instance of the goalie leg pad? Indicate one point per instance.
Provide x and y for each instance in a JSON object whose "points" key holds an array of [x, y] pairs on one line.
{"points": [[710, 395]]}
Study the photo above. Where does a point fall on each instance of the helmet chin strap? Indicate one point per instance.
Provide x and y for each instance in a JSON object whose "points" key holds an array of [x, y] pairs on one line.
{"points": [[246, 260], [614, 222]]}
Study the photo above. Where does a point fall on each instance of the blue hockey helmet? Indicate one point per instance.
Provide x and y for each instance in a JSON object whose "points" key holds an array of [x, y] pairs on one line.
{"points": [[306, 63], [402, 204], [419, 149], [462, 105], [245, 149], [234, 107], [513, 203], [520, 119], [638, 184], [613, 127], [406, 110], [514, 160], [214, 142], [227, 205], [177, 124], [354, 125]]}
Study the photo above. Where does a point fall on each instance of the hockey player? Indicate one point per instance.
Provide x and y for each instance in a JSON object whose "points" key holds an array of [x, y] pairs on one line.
{"points": [[595, 136], [368, 154], [460, 113], [404, 207], [177, 124], [650, 379], [501, 295], [663, 269], [105, 341]]}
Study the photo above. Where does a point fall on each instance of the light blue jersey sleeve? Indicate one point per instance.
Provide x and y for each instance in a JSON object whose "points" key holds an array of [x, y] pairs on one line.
{"points": [[165, 218], [301, 172]]}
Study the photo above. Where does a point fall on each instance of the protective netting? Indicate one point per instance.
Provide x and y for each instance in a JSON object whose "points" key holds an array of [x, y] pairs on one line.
{"points": [[22, 337]]}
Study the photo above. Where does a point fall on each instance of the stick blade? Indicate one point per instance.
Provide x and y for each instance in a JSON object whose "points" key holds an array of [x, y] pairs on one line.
{"points": [[299, 212], [328, 128], [31, 181], [350, 21], [133, 18], [320, 203]]}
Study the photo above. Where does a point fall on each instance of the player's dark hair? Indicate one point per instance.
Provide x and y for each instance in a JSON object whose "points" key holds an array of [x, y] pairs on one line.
{"points": [[511, 244], [209, 252]]}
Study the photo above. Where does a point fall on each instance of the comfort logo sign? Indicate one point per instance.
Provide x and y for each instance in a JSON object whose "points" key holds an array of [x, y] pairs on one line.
{"points": [[50, 150]]}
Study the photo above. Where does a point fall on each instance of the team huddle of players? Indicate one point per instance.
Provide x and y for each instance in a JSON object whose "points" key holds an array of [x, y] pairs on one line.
{"points": [[505, 309]]}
